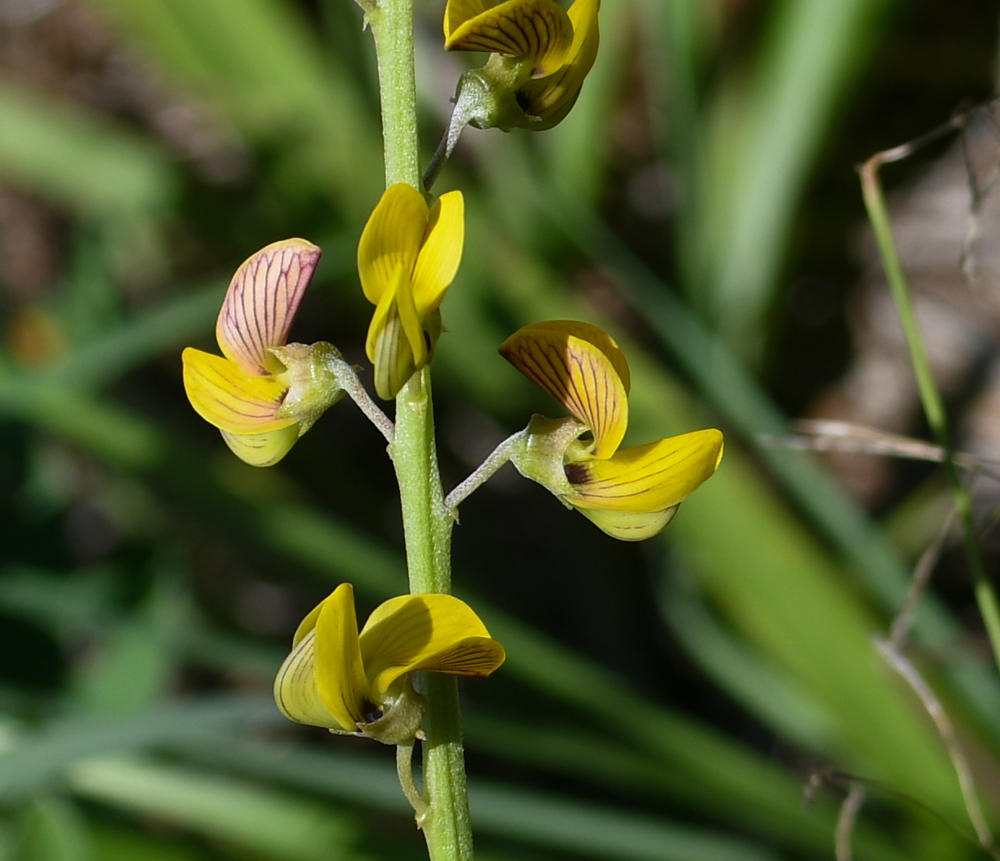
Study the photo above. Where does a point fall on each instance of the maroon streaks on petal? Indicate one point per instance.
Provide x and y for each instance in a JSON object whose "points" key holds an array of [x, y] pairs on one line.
{"points": [[581, 367], [235, 402], [538, 29], [650, 477], [262, 301], [625, 487], [226, 397], [474, 657]]}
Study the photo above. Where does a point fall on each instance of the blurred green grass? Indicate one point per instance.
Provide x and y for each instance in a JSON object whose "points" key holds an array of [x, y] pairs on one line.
{"points": [[662, 702]]}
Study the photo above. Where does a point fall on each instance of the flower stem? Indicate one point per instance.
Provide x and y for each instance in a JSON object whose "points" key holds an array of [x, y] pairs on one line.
{"points": [[485, 470], [404, 768], [348, 380], [449, 141]]}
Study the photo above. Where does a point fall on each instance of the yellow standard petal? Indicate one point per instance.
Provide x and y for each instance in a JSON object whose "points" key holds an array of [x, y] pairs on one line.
{"points": [[395, 343], [646, 478], [551, 97], [539, 30], [581, 367], [391, 239], [440, 253], [232, 400], [457, 12], [437, 633], [262, 301]]}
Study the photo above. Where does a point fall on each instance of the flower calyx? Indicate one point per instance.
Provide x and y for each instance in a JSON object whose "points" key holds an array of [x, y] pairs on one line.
{"points": [[263, 393], [359, 684], [629, 493]]}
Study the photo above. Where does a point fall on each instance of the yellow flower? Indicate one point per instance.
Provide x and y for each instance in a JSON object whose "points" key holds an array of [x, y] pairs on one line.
{"points": [[359, 684], [407, 258], [629, 493], [263, 395], [540, 57]]}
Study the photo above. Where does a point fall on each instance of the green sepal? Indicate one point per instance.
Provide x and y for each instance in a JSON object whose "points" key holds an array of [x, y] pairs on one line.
{"points": [[487, 98], [312, 383], [539, 454], [400, 720]]}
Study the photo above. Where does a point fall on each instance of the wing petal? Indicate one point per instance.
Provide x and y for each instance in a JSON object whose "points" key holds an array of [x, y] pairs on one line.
{"points": [[322, 682], [232, 400], [646, 478]]}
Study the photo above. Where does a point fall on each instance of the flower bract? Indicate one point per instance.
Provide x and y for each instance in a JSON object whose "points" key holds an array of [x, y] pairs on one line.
{"points": [[630, 493], [407, 257], [263, 394], [540, 55], [335, 677]]}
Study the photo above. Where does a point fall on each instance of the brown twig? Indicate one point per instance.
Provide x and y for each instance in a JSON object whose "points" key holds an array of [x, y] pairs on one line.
{"points": [[848, 818], [921, 577], [833, 435], [946, 730]]}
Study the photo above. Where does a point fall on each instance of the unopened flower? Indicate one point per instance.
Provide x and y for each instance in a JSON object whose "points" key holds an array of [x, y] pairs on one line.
{"points": [[359, 683], [263, 394], [630, 493], [540, 55], [407, 258]]}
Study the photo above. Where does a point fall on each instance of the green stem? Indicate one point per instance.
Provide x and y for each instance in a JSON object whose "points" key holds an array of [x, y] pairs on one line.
{"points": [[426, 522], [392, 26], [929, 395], [447, 826]]}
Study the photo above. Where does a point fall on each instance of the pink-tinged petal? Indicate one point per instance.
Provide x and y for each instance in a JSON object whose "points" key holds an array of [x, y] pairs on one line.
{"points": [[261, 303], [391, 239], [537, 29], [440, 253], [581, 367], [262, 449], [437, 633], [646, 478], [232, 400]]}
